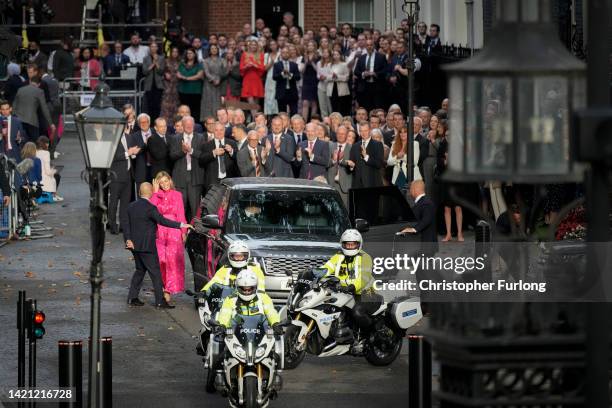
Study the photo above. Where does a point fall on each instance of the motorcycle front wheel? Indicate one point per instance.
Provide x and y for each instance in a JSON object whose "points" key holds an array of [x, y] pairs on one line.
{"points": [[383, 351], [293, 357], [250, 392]]}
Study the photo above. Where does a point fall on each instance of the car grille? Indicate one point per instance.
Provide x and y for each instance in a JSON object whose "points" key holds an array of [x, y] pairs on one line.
{"points": [[281, 266]]}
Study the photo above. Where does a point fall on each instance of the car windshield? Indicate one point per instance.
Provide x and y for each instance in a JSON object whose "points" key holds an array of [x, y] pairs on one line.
{"points": [[286, 212]]}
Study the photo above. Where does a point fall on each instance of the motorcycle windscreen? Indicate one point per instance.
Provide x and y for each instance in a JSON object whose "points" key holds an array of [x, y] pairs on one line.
{"points": [[217, 294], [249, 328], [307, 278]]}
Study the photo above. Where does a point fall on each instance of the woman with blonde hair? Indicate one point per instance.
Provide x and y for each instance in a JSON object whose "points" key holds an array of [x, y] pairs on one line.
{"points": [[170, 242], [398, 158]]}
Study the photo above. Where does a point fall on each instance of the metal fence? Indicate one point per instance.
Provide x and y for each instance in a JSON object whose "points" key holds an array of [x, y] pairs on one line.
{"points": [[75, 96]]}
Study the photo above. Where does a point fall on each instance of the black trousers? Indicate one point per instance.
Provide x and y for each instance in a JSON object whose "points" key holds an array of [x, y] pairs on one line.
{"points": [[370, 98], [191, 200], [153, 98], [32, 132], [147, 262], [120, 192], [341, 104], [193, 101], [283, 103]]}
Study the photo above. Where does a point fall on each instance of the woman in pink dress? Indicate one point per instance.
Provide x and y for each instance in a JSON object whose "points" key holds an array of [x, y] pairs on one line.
{"points": [[170, 242]]}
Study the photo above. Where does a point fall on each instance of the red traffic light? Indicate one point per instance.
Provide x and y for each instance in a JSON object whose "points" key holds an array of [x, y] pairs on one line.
{"points": [[39, 317]]}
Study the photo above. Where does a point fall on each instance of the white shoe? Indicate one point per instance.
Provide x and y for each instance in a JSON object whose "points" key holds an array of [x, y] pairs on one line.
{"points": [[56, 155], [58, 198]]}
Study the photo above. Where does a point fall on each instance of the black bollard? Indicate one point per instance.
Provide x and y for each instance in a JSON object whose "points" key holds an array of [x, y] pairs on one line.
{"points": [[71, 371], [482, 248], [419, 372], [106, 373]]}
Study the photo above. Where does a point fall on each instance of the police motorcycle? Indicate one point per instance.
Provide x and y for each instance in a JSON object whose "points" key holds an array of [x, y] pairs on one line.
{"points": [[317, 308], [208, 308]]}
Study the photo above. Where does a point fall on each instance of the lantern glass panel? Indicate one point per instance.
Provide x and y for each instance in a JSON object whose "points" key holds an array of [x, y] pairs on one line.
{"points": [[457, 133], [543, 118], [489, 125], [100, 143]]}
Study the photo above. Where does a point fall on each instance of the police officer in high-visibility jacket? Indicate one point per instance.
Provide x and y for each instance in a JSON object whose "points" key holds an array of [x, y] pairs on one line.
{"points": [[238, 254], [248, 301], [353, 267]]}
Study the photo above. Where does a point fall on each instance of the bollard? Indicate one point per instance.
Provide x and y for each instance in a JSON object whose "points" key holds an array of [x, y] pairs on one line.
{"points": [[106, 373], [71, 371], [419, 372], [482, 248]]}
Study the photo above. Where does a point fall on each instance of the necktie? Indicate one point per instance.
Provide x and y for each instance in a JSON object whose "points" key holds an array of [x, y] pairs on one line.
{"points": [[221, 160], [146, 137], [255, 158], [339, 159], [287, 68], [310, 144]]}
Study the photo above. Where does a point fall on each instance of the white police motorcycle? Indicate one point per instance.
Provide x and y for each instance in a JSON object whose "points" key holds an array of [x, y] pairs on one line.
{"points": [[252, 361], [317, 307]]}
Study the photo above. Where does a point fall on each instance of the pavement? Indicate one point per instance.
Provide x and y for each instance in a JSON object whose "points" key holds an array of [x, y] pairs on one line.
{"points": [[154, 360]]}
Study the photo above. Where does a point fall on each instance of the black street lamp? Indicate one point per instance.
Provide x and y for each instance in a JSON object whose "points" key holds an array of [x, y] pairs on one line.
{"points": [[510, 104], [411, 8], [511, 119], [99, 127]]}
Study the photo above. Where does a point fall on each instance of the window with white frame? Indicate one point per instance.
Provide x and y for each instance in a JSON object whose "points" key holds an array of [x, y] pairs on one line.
{"points": [[358, 13]]}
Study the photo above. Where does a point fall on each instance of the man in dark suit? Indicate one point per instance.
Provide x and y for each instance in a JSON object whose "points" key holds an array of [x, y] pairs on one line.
{"points": [[218, 157], [425, 212], [122, 183], [298, 126], [338, 174], [366, 160], [253, 160], [159, 153], [113, 63], [370, 72], [12, 132], [283, 150], [29, 101], [141, 161], [286, 74], [312, 155], [433, 45], [188, 176], [139, 234], [239, 134]]}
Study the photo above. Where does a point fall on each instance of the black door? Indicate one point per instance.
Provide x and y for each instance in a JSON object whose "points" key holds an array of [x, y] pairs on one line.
{"points": [[271, 11]]}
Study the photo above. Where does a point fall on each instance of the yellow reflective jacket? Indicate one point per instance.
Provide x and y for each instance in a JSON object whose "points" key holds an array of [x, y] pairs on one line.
{"points": [[260, 304], [357, 272], [224, 276]]}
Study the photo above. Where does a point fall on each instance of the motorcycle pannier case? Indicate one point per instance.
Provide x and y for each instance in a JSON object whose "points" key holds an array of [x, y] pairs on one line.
{"points": [[406, 312]]}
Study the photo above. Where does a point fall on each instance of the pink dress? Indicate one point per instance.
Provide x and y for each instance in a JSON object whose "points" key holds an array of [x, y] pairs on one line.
{"points": [[170, 247]]}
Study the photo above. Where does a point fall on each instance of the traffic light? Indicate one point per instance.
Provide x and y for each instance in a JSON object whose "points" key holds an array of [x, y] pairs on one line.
{"points": [[37, 331]]}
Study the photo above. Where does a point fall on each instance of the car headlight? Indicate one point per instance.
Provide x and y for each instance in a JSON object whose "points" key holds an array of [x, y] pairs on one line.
{"points": [[259, 353], [239, 351]]}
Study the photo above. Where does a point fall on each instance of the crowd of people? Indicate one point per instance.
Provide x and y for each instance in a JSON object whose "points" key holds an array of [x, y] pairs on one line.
{"points": [[329, 106]]}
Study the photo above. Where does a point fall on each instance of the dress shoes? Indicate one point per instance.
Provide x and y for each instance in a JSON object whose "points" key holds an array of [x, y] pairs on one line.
{"points": [[165, 305], [135, 302]]}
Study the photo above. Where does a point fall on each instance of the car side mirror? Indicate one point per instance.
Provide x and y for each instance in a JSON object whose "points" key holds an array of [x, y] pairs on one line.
{"points": [[211, 221], [362, 225]]}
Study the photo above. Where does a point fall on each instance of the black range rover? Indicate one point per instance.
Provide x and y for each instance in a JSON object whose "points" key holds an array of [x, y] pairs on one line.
{"points": [[290, 225]]}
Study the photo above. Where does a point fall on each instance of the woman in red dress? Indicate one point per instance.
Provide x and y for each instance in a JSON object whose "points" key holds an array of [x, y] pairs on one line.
{"points": [[252, 69]]}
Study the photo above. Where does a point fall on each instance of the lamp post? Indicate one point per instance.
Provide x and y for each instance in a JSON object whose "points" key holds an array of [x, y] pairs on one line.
{"points": [[411, 8], [99, 128], [511, 118]]}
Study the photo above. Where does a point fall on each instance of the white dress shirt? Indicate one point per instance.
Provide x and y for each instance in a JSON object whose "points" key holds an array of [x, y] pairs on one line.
{"points": [[187, 138]]}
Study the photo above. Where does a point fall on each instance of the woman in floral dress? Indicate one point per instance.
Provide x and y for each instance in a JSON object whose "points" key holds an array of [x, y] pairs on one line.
{"points": [[170, 98]]}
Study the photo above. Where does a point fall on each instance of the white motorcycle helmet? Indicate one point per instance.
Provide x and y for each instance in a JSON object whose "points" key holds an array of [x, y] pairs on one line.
{"points": [[238, 254], [246, 284], [351, 242]]}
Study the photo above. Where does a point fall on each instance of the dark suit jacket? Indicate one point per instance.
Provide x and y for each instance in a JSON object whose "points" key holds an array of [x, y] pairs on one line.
{"points": [[111, 68], [318, 166], [281, 83], [425, 213], [139, 162], [282, 162], [423, 148], [119, 165], [243, 160], [432, 49], [380, 69], [367, 174], [142, 226], [302, 136], [210, 163], [159, 153], [5, 187], [16, 128], [179, 172]]}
